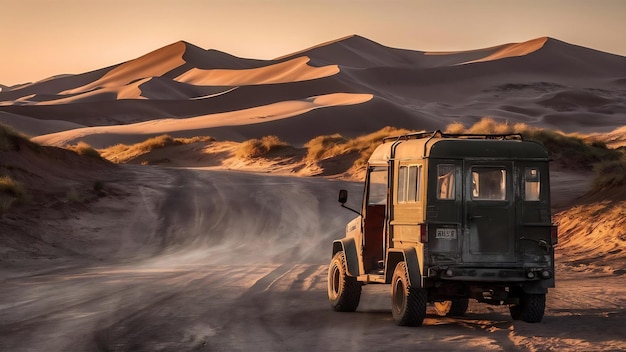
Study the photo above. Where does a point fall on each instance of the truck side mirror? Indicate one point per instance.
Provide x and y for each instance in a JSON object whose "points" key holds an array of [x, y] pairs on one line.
{"points": [[343, 196]]}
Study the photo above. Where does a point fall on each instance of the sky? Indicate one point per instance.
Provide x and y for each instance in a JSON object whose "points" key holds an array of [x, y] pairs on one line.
{"points": [[43, 38]]}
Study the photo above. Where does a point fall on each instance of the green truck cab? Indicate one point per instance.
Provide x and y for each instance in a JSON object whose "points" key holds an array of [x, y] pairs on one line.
{"points": [[447, 218]]}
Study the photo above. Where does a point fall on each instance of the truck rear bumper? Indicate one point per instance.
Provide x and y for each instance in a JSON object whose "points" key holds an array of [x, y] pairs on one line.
{"points": [[490, 274]]}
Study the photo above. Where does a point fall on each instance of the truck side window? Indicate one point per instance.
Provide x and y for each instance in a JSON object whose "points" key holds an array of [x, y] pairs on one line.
{"points": [[532, 184], [488, 183], [377, 186], [409, 180], [445, 181]]}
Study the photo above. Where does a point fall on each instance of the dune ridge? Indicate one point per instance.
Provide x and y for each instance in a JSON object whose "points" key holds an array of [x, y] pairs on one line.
{"points": [[542, 82], [254, 115], [289, 71], [511, 50], [155, 63]]}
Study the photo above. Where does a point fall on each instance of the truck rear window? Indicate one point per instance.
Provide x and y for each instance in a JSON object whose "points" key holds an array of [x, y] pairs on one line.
{"points": [[445, 181], [532, 184], [488, 183]]}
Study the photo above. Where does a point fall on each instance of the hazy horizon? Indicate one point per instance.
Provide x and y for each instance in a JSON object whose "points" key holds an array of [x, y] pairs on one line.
{"points": [[45, 38]]}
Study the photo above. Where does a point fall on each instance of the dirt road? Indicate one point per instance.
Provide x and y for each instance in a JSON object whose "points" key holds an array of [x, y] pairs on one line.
{"points": [[196, 260]]}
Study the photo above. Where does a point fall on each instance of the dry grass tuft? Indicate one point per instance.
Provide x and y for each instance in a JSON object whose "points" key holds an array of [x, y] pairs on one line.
{"points": [[10, 139], [609, 174], [573, 151], [324, 147], [487, 125], [455, 128], [84, 149], [121, 153], [570, 150], [255, 148]]}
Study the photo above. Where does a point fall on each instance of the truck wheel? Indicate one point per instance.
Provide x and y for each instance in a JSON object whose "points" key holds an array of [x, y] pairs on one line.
{"points": [[344, 292], [454, 308], [530, 307], [408, 304]]}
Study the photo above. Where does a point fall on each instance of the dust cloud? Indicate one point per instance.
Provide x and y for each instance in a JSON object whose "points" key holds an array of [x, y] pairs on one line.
{"points": [[204, 260]]}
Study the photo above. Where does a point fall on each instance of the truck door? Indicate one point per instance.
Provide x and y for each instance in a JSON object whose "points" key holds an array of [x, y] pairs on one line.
{"points": [[374, 218], [489, 199]]}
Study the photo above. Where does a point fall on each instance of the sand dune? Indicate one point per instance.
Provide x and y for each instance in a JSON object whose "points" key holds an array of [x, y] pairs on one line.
{"points": [[593, 232], [512, 50], [117, 253], [33, 127], [543, 82], [104, 136], [290, 71], [153, 64]]}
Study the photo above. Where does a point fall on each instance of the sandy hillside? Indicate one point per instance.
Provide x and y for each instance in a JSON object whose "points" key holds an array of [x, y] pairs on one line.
{"points": [[183, 259], [357, 86]]}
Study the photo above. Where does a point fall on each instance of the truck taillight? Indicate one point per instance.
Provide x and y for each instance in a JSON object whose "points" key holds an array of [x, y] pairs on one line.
{"points": [[554, 234], [423, 233]]}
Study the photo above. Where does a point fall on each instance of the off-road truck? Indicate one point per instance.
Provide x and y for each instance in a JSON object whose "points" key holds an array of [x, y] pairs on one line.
{"points": [[446, 218]]}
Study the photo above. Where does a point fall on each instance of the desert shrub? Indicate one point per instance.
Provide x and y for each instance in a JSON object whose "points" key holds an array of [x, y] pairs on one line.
{"points": [[455, 128], [609, 174], [84, 149], [324, 146], [365, 145], [570, 150], [7, 135], [120, 153], [255, 148], [335, 145], [154, 143], [272, 143], [10, 139], [251, 148], [488, 125]]}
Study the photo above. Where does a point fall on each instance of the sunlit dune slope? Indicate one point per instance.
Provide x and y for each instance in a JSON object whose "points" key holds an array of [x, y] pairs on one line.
{"points": [[104, 136], [593, 232], [290, 71], [512, 50], [542, 82]]}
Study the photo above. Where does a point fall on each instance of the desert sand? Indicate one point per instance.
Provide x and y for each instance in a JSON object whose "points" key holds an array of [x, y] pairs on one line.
{"points": [[231, 254]]}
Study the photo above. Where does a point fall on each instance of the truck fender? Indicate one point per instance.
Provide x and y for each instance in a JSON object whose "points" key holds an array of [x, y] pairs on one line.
{"points": [[348, 246], [409, 256]]}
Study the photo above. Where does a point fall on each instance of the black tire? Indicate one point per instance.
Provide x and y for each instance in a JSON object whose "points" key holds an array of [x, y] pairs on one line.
{"points": [[459, 307], [453, 308], [530, 308], [344, 292], [408, 304]]}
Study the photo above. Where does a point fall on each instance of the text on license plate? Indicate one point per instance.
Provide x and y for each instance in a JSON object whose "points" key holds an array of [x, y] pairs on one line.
{"points": [[448, 234]]}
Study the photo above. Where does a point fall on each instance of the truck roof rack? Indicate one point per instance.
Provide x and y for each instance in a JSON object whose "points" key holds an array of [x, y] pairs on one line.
{"points": [[439, 134]]}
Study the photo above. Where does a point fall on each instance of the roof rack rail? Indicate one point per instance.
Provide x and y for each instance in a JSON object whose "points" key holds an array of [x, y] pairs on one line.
{"points": [[439, 134]]}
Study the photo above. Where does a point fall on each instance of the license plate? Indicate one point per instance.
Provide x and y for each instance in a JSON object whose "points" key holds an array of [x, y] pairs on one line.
{"points": [[446, 234]]}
